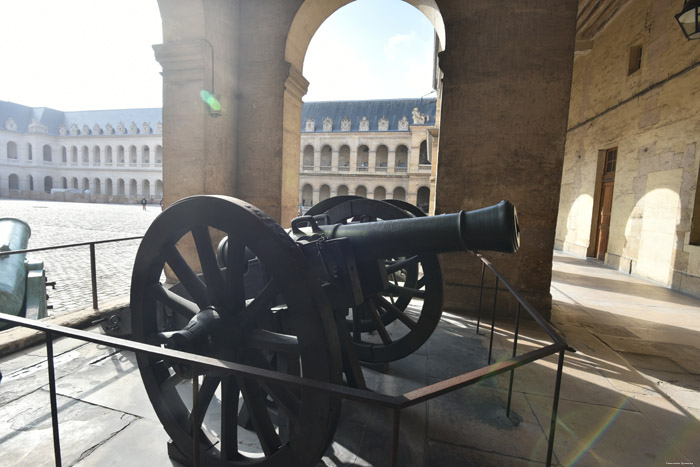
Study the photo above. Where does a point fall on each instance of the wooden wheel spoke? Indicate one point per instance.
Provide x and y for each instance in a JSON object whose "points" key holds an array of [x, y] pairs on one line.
{"points": [[399, 314], [194, 286], [236, 264], [173, 301], [260, 304], [205, 396], [263, 339], [210, 267], [229, 418], [398, 290], [377, 320], [401, 264], [284, 397], [254, 398]]}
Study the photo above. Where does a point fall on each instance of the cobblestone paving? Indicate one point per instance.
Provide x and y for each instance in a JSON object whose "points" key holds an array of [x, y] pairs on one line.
{"points": [[56, 223]]}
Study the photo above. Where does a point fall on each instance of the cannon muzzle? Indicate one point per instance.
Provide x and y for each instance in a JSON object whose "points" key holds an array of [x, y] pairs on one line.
{"points": [[494, 228]]}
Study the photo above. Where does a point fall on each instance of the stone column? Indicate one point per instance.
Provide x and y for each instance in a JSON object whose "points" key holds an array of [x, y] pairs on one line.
{"points": [[353, 159], [502, 133], [334, 159], [391, 160], [371, 161]]}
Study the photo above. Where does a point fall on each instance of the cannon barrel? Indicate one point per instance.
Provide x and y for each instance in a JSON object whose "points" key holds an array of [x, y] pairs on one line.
{"points": [[494, 228]]}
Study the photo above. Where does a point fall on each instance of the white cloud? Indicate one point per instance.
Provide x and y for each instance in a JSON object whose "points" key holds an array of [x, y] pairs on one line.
{"points": [[392, 45]]}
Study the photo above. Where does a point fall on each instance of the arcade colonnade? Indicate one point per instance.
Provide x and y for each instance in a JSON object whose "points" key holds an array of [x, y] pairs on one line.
{"points": [[503, 113]]}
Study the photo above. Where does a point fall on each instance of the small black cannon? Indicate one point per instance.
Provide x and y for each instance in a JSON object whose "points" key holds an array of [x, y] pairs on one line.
{"points": [[353, 280]]}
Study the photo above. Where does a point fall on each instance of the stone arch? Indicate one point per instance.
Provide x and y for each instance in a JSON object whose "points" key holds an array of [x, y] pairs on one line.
{"points": [[361, 191], [121, 190], [97, 186], [423, 198], [146, 188], [423, 153], [120, 155], [96, 153], [12, 150], [326, 156], [159, 155], [29, 151], [86, 155], [64, 183], [31, 183], [13, 182], [133, 187], [344, 157], [324, 192], [159, 188], [342, 190], [132, 155], [109, 189], [86, 184], [48, 183], [108, 155], [74, 183], [401, 156], [362, 156], [145, 155], [399, 193], [308, 157], [382, 157], [47, 153], [64, 155], [74, 154], [380, 193], [307, 195]]}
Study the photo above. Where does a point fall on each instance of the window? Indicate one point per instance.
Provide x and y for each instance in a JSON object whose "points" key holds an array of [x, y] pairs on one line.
{"points": [[610, 161], [12, 150], [635, 59]]}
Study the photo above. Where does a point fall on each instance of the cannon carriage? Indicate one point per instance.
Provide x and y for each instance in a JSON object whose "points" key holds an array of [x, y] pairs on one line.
{"points": [[354, 280]]}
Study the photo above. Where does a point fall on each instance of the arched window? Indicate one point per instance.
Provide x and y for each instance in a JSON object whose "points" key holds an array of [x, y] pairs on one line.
{"points": [[96, 155], [423, 198], [308, 160], [326, 157], [109, 190], [86, 184], [307, 195], [423, 153], [13, 182], [342, 190], [48, 184], [97, 186], [46, 150], [64, 155], [382, 158], [399, 193], [120, 157], [64, 183], [74, 154], [159, 188], [132, 155], [146, 188], [108, 155], [361, 191], [159, 154], [145, 155], [74, 183], [86, 155], [324, 192], [362, 158], [401, 158], [132, 187], [12, 151], [344, 158], [31, 183], [120, 187], [380, 193], [29, 152]]}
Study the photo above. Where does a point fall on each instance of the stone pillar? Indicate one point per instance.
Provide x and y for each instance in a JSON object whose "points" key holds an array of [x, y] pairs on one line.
{"points": [[334, 159], [391, 161], [353, 159], [317, 159], [505, 106], [371, 161]]}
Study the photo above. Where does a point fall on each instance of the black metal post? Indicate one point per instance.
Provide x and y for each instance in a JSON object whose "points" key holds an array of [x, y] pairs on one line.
{"points": [[493, 319], [93, 276], [481, 293], [52, 395], [555, 408], [395, 439], [515, 347], [195, 417]]}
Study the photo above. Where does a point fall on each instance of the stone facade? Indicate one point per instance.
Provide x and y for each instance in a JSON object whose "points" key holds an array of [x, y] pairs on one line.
{"points": [[635, 88], [78, 155]]}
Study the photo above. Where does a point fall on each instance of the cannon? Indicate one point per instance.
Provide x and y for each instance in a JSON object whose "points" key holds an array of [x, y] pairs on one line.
{"points": [[22, 282], [355, 280]]}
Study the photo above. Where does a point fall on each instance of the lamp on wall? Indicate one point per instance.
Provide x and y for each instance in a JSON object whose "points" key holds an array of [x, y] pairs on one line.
{"points": [[689, 19]]}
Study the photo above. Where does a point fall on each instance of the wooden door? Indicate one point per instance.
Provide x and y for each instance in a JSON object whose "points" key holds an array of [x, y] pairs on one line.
{"points": [[605, 207]]}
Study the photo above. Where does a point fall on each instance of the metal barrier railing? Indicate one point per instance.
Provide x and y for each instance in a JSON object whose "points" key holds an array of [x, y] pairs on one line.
{"points": [[394, 403], [93, 259]]}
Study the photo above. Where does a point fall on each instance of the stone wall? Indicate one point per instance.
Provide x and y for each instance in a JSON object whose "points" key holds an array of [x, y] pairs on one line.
{"points": [[651, 116]]}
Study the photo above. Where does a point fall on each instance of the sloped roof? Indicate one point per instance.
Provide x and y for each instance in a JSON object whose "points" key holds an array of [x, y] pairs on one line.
{"points": [[393, 109]]}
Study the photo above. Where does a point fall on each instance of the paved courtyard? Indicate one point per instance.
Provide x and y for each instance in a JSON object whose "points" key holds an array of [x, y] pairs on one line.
{"points": [[57, 223]]}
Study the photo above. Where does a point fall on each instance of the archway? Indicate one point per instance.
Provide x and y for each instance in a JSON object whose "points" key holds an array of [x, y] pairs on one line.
{"points": [[423, 198], [48, 183]]}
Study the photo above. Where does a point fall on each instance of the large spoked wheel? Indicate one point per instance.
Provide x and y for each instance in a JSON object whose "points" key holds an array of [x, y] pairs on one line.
{"points": [[263, 310], [395, 322]]}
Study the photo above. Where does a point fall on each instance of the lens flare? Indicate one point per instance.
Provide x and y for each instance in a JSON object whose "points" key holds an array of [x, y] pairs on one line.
{"points": [[210, 100]]}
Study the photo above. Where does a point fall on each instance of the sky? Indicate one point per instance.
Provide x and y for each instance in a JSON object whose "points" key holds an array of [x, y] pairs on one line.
{"points": [[97, 54]]}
